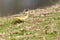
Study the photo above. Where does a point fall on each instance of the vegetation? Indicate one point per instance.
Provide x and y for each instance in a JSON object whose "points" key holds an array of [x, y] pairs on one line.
{"points": [[47, 28], [36, 27]]}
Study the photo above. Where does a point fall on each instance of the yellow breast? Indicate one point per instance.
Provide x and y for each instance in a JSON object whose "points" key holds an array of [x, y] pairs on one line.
{"points": [[20, 18]]}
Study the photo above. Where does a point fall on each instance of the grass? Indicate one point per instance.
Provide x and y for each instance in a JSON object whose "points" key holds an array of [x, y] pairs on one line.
{"points": [[46, 29]]}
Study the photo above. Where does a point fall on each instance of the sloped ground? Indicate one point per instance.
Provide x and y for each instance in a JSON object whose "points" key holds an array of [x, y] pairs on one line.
{"points": [[42, 24]]}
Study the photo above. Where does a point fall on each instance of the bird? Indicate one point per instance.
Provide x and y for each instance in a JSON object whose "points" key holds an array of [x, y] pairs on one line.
{"points": [[22, 18]]}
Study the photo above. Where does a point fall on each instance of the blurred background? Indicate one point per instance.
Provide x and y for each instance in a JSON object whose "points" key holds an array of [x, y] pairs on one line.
{"points": [[10, 7]]}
